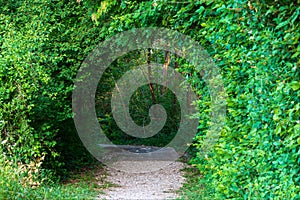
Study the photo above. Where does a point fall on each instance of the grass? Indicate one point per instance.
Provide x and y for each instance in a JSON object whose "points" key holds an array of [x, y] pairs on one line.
{"points": [[82, 184], [196, 187]]}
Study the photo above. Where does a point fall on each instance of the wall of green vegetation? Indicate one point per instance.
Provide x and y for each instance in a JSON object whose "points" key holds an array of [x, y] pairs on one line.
{"points": [[42, 45]]}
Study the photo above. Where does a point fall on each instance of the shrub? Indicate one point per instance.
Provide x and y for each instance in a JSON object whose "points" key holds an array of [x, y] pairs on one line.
{"points": [[41, 50]]}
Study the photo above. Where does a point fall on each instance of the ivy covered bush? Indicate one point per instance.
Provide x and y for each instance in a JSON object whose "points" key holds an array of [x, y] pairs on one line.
{"points": [[256, 46]]}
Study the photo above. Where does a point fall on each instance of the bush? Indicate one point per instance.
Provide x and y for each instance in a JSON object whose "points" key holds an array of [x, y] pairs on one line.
{"points": [[255, 46], [41, 50]]}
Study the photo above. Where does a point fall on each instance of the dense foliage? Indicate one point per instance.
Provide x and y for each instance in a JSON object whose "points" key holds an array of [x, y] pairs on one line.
{"points": [[255, 44], [42, 45]]}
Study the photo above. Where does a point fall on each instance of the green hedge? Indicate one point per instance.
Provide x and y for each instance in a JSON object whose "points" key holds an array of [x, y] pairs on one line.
{"points": [[42, 45], [256, 46]]}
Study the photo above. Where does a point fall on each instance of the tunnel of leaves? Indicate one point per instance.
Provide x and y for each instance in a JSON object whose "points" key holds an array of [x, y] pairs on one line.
{"points": [[255, 44]]}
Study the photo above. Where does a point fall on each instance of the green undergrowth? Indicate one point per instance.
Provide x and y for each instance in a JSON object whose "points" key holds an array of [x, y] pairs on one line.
{"points": [[19, 181], [195, 187]]}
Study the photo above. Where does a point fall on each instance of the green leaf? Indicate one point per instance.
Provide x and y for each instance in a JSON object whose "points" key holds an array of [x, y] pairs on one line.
{"points": [[295, 85], [282, 24]]}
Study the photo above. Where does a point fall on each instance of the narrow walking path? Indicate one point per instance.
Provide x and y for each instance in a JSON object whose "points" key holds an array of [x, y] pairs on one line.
{"points": [[161, 183]]}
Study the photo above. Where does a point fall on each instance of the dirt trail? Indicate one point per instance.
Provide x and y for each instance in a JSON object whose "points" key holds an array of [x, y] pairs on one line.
{"points": [[161, 183]]}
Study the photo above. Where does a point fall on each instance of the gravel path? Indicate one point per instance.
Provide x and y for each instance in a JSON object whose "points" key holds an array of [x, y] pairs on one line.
{"points": [[154, 185]]}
